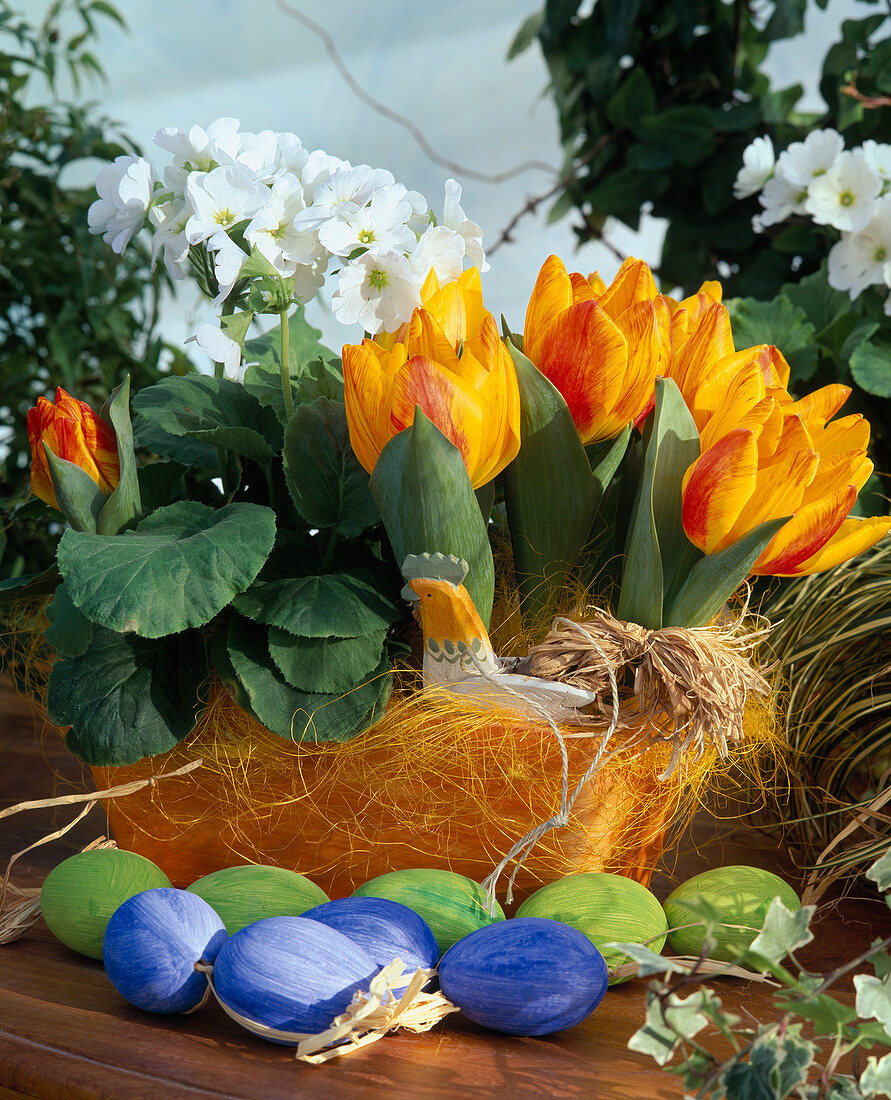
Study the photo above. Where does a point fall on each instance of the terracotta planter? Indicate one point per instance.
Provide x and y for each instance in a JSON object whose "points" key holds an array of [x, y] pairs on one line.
{"points": [[342, 814]]}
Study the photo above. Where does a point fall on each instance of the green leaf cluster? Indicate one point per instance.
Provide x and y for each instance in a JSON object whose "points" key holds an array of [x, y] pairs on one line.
{"points": [[720, 1056]]}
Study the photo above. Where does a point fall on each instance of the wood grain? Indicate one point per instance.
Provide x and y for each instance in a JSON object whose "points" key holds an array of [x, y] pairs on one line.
{"points": [[65, 1034]]}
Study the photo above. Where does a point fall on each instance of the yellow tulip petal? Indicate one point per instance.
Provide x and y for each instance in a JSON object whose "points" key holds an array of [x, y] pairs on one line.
{"points": [[551, 296], [853, 537], [633, 283], [597, 285], [805, 534], [365, 390], [779, 488], [717, 488], [823, 404], [710, 341], [646, 327]]}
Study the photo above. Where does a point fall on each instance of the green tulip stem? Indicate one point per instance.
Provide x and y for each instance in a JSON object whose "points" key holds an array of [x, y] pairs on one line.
{"points": [[286, 370]]}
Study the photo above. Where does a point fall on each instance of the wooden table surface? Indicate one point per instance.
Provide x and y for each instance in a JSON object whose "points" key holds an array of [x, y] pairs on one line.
{"points": [[65, 1034]]}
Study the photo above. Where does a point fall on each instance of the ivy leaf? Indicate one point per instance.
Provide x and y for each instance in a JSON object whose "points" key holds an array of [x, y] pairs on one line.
{"points": [[776, 1065], [825, 1013], [648, 961], [873, 1000], [339, 605], [880, 872], [670, 1021], [328, 486], [214, 411], [783, 931], [181, 566], [126, 697], [876, 1078]]}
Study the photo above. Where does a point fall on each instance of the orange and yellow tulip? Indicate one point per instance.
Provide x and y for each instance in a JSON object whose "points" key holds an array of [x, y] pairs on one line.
{"points": [[782, 458], [449, 361], [73, 432]]}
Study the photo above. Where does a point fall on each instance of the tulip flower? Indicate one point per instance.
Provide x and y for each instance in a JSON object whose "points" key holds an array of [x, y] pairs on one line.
{"points": [[449, 361], [73, 432], [784, 458], [603, 346]]}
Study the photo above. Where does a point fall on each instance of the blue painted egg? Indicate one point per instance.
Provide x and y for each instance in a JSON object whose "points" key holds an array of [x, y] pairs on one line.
{"points": [[386, 929], [152, 943], [526, 976], [291, 973]]}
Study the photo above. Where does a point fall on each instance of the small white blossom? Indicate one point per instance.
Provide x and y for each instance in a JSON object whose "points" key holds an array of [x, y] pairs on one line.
{"points": [[272, 228], [805, 161], [860, 260], [440, 249], [228, 259], [292, 156], [220, 348], [780, 199], [259, 153], [220, 199], [380, 225], [878, 157], [318, 169], [169, 219], [198, 149], [125, 193], [845, 196], [453, 217], [377, 290], [349, 188], [758, 165]]}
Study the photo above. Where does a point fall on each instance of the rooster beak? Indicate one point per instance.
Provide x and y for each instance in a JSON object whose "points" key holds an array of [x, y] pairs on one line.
{"points": [[408, 593]]}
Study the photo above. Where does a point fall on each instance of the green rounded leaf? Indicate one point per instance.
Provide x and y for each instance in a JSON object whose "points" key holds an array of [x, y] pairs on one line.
{"points": [[302, 715], [325, 664], [180, 567], [70, 632], [126, 697], [340, 605]]}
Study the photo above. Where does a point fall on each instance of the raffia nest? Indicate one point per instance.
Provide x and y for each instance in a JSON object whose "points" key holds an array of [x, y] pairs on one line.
{"points": [[686, 686]]}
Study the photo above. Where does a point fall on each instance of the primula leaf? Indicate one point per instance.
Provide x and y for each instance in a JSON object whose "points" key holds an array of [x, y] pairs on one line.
{"points": [[127, 697], [328, 486], [325, 664], [783, 931], [179, 448], [214, 411], [714, 578], [871, 368], [549, 491], [301, 715], [70, 631], [776, 322], [421, 487], [179, 567], [263, 377], [338, 605], [318, 378]]}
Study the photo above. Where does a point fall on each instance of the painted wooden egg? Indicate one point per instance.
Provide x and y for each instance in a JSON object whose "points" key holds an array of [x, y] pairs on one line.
{"points": [[741, 895], [151, 946], [291, 973], [386, 929], [526, 976], [607, 908], [242, 895], [452, 905], [81, 893]]}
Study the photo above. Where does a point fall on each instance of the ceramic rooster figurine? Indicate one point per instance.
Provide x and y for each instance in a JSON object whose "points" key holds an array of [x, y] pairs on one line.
{"points": [[458, 656]]}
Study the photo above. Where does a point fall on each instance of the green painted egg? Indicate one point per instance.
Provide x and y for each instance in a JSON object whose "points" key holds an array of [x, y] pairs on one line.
{"points": [[242, 895], [607, 908], [452, 905], [741, 895], [79, 896]]}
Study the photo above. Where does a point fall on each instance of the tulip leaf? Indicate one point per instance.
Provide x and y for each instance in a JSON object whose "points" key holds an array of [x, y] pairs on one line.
{"points": [[127, 697], [79, 498], [70, 631], [428, 505], [605, 458], [214, 411], [325, 664], [302, 715], [179, 568], [715, 577], [339, 605], [124, 505], [657, 549], [328, 486], [549, 492]]}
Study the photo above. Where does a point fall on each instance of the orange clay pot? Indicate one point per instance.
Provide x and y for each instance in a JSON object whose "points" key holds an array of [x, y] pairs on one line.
{"points": [[417, 790]]}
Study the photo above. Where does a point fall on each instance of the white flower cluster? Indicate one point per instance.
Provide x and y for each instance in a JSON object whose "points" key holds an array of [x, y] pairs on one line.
{"points": [[848, 189], [228, 192]]}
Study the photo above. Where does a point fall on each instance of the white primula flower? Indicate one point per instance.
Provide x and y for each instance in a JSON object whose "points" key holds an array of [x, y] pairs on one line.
{"points": [[220, 348], [878, 157], [292, 156], [220, 199], [199, 149], [227, 263], [319, 168], [758, 164], [845, 196], [272, 227], [439, 249], [780, 198], [805, 161], [377, 290], [350, 188], [259, 153], [380, 225], [125, 193], [860, 259], [169, 219], [453, 217], [309, 278]]}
